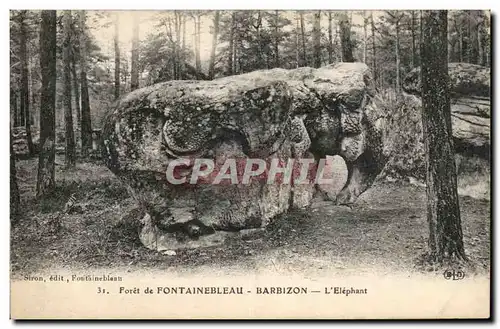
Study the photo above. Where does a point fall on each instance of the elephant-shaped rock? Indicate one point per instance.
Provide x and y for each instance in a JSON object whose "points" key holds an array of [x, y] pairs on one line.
{"points": [[271, 115]]}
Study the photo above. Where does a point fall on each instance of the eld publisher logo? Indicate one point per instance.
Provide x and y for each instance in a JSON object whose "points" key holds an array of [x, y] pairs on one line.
{"points": [[454, 275]]}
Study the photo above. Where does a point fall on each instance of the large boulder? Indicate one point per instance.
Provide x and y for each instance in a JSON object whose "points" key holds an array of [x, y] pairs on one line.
{"points": [[470, 115], [273, 115], [470, 87], [465, 80]]}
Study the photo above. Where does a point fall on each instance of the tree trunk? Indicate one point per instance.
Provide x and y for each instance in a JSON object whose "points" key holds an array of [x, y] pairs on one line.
{"points": [[239, 54], [134, 72], [179, 38], [76, 87], [175, 62], [117, 56], [345, 38], [330, 38], [276, 39], [30, 84], [398, 60], [260, 55], [297, 43], [443, 211], [451, 43], [13, 106], [460, 44], [303, 37], [184, 33], [374, 49], [22, 105], [473, 18], [46, 175], [420, 37], [485, 46], [25, 94], [480, 49], [317, 38], [231, 46], [18, 108], [365, 38], [68, 113], [15, 199], [237, 47], [170, 34], [466, 41], [235, 54], [211, 68], [197, 39], [413, 40], [177, 24], [34, 102], [86, 125]]}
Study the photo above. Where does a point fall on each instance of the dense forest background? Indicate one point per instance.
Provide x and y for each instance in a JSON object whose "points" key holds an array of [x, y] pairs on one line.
{"points": [[111, 53]]}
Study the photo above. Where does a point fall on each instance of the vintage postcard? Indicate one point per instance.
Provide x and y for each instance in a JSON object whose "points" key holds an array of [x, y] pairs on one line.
{"points": [[250, 164]]}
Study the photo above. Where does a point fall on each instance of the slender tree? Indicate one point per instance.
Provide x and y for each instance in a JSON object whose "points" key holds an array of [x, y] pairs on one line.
{"points": [[479, 38], [177, 44], [297, 43], [33, 102], [483, 38], [68, 113], [239, 50], [184, 33], [414, 57], [46, 161], [86, 126], [211, 68], [230, 59], [345, 37], [134, 70], [15, 199], [472, 28], [198, 40], [175, 54], [76, 85], [276, 38], [116, 40], [330, 38], [395, 18], [398, 59], [260, 53], [197, 26], [25, 93], [303, 39], [317, 38], [460, 43], [13, 106], [443, 211], [184, 42], [365, 35], [374, 50]]}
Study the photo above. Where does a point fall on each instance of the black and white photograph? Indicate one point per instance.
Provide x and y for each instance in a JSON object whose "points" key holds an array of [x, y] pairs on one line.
{"points": [[283, 164]]}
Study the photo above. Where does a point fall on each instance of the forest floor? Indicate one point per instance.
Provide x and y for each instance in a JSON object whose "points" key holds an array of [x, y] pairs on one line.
{"points": [[385, 232]]}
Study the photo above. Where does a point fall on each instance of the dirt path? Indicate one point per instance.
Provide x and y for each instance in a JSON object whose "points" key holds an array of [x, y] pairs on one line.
{"points": [[383, 233]]}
